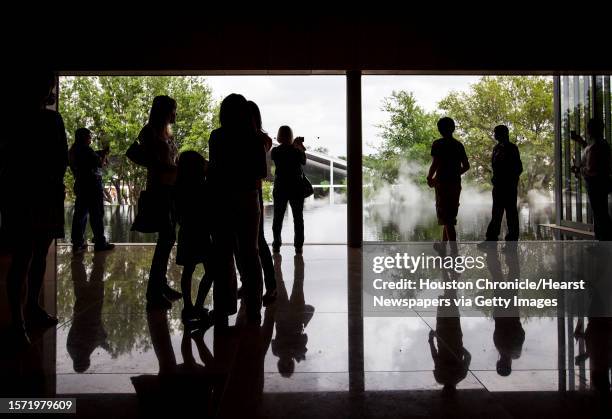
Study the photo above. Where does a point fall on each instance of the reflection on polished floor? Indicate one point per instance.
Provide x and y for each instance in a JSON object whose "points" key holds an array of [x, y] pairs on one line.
{"points": [[314, 355]]}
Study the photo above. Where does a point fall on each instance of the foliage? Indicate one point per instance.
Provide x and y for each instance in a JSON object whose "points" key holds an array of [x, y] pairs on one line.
{"points": [[523, 103], [116, 108]]}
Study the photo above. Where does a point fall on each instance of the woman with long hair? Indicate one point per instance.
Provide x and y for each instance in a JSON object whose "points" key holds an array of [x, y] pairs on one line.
{"points": [[158, 142], [264, 251], [237, 165]]}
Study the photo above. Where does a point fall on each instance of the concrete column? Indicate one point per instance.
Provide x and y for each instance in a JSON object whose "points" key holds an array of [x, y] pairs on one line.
{"points": [[354, 156], [355, 232]]}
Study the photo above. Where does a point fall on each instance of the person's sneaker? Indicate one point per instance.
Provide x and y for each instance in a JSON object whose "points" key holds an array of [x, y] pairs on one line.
{"points": [[203, 312], [207, 321], [188, 313], [104, 247], [190, 318], [37, 317], [171, 294], [80, 248], [269, 298]]}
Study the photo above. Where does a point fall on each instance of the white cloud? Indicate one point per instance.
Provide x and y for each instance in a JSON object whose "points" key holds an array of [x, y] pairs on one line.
{"points": [[428, 91], [315, 106]]}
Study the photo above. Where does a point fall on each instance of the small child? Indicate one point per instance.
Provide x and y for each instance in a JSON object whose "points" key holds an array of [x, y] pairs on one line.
{"points": [[194, 242]]}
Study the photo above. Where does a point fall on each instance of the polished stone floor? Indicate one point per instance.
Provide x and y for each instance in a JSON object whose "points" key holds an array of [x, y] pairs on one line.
{"points": [[314, 355]]}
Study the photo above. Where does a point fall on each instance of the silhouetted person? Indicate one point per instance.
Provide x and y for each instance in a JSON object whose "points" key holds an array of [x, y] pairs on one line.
{"points": [[449, 163], [246, 382], [159, 330], [598, 334], [158, 142], [32, 204], [265, 255], [451, 359], [507, 167], [595, 169], [264, 250], [177, 389], [87, 330], [86, 165], [237, 165], [509, 334], [288, 157], [193, 386], [194, 242], [292, 317], [598, 340]]}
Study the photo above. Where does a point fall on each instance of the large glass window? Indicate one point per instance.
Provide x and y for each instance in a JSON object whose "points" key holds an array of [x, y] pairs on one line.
{"points": [[116, 107], [399, 125], [581, 97]]}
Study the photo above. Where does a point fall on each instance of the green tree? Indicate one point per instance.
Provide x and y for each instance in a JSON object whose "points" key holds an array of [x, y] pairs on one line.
{"points": [[525, 105], [407, 136], [116, 108], [266, 188], [124, 301]]}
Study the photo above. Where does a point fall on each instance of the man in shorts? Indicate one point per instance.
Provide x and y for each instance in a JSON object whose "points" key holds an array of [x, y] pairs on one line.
{"points": [[448, 164]]}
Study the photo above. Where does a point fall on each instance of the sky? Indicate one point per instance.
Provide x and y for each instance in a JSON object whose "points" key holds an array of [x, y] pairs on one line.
{"points": [[315, 106]]}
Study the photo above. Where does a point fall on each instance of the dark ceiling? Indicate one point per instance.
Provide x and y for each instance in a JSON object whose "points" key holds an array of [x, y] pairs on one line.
{"points": [[321, 45]]}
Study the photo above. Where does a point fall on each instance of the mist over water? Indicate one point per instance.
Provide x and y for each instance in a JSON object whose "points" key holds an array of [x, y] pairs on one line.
{"points": [[405, 210]]}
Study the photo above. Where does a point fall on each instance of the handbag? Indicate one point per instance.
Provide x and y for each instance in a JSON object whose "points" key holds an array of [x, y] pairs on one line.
{"points": [[147, 219], [307, 186], [137, 154]]}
